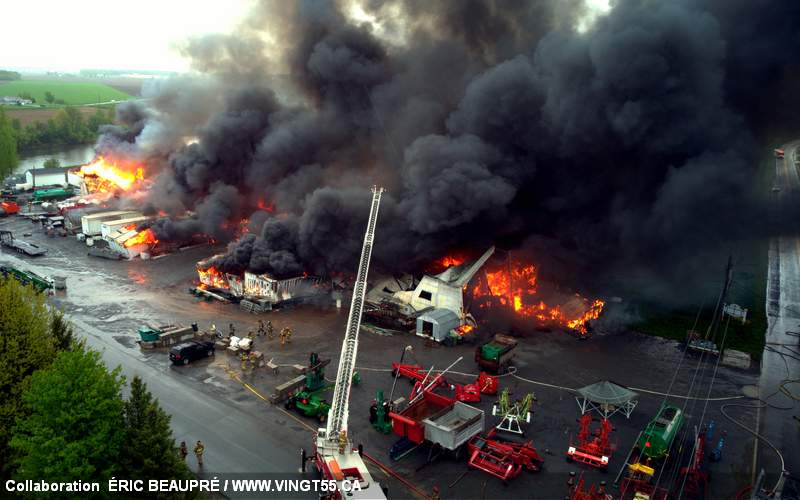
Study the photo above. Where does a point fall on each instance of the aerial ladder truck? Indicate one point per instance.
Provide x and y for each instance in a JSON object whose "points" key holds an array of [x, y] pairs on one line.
{"points": [[334, 455]]}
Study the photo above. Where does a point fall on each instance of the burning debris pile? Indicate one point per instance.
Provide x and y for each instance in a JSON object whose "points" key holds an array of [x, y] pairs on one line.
{"points": [[101, 176], [516, 288]]}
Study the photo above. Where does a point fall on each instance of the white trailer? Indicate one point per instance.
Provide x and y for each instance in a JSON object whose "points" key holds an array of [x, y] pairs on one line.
{"points": [[109, 226], [90, 224]]}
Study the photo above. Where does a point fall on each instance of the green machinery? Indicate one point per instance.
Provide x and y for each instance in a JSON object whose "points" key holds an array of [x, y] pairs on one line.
{"points": [[656, 440], [379, 414], [309, 400], [52, 194], [41, 284]]}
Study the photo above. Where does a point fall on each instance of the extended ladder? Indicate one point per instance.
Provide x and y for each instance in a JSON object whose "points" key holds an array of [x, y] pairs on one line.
{"points": [[338, 413]]}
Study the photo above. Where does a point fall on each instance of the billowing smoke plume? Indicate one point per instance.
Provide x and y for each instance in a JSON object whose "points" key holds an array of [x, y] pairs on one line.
{"points": [[629, 145]]}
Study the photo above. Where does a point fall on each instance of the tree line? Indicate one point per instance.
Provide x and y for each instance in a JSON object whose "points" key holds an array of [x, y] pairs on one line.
{"points": [[9, 75], [62, 415], [68, 126]]}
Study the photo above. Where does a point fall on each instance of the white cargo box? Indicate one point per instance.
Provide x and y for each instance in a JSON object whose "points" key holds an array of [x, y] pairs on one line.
{"points": [[454, 426]]}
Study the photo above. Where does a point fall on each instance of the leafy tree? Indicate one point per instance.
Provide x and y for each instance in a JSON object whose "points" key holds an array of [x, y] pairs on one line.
{"points": [[8, 147], [74, 429], [52, 163], [49, 97], [149, 448], [27, 344], [61, 331], [61, 101], [16, 125]]}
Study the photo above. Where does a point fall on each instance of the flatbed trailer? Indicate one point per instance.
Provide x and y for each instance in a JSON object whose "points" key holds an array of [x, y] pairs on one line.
{"points": [[7, 240]]}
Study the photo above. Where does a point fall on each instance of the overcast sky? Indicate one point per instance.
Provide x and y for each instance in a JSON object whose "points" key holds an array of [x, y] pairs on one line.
{"points": [[108, 34]]}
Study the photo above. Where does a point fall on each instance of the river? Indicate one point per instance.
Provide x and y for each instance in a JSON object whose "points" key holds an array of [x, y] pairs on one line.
{"points": [[67, 155]]}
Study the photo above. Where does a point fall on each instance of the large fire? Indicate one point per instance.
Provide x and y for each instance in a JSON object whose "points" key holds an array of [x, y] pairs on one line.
{"points": [[103, 176], [515, 286], [212, 277], [145, 237]]}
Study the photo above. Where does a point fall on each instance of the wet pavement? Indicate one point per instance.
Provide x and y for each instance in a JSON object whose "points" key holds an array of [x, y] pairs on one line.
{"points": [[109, 300], [781, 360]]}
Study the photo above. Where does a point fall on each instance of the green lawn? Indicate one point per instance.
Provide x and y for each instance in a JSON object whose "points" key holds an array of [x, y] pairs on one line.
{"points": [[71, 92]]}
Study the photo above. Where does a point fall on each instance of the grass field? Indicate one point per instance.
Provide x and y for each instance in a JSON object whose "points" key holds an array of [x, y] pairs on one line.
{"points": [[73, 93], [749, 290]]}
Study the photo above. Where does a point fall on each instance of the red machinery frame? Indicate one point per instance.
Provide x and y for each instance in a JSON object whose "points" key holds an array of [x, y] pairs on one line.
{"points": [[594, 447], [417, 373], [502, 459]]}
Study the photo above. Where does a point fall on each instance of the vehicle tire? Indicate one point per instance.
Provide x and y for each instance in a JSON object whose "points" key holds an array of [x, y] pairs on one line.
{"points": [[394, 373], [570, 459], [185, 361], [210, 353], [290, 404]]}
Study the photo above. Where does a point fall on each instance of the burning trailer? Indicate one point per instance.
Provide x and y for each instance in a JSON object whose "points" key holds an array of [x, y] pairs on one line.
{"points": [[256, 292]]}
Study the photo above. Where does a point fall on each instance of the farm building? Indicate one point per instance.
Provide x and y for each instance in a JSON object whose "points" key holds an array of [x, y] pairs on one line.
{"points": [[276, 290], [55, 176], [437, 324]]}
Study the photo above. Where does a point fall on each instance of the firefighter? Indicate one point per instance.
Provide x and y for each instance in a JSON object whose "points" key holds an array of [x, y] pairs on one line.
{"points": [[261, 328], [213, 330], [184, 450], [270, 330], [286, 335], [251, 335], [198, 452], [231, 330]]}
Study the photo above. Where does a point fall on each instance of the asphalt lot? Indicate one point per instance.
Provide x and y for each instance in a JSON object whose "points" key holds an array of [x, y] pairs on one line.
{"points": [[109, 300]]}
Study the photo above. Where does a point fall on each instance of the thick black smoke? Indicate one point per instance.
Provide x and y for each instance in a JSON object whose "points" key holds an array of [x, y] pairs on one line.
{"points": [[632, 145]]}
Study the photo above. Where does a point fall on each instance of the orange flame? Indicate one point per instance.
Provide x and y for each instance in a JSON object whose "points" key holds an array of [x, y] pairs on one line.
{"points": [[516, 286], [212, 277], [146, 237], [102, 176]]}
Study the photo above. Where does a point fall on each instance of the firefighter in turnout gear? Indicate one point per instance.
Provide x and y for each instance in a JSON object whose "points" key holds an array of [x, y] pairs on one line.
{"points": [[231, 330], [286, 335], [261, 331], [270, 331], [184, 450], [198, 452]]}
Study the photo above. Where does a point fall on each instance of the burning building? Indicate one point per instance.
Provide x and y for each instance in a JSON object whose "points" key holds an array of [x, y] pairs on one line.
{"points": [[436, 300], [263, 289], [437, 303]]}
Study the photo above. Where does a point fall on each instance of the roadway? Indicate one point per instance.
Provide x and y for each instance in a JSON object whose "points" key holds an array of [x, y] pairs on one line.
{"points": [[781, 359]]}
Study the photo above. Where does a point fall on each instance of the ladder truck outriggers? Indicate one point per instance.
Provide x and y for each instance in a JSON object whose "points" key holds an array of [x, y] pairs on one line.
{"points": [[334, 455]]}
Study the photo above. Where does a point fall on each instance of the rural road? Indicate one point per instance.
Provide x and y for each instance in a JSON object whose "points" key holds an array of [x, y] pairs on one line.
{"points": [[781, 359]]}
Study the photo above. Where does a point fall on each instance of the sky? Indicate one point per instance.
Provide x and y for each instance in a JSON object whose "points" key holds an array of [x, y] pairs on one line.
{"points": [[67, 36]]}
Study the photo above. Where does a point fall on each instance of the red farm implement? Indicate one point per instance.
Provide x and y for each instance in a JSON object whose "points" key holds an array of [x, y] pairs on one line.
{"points": [[503, 459], [594, 446]]}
